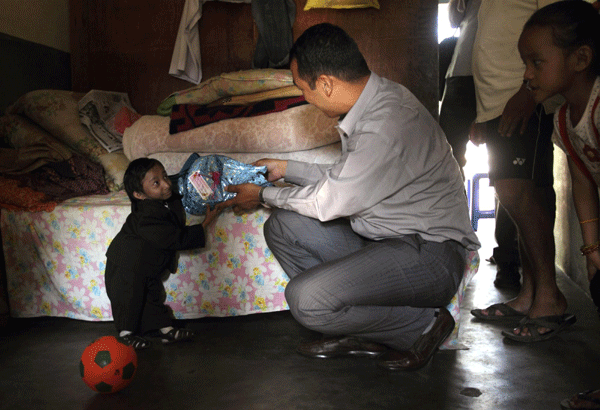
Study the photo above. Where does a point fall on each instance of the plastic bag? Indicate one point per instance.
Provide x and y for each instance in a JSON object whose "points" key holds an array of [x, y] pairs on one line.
{"points": [[202, 180]]}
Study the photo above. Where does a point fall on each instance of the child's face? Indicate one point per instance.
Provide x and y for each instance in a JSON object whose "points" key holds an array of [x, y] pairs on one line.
{"points": [[548, 69], [156, 184]]}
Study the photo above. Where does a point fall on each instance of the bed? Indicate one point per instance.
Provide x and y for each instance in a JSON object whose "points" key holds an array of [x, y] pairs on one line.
{"points": [[54, 250]]}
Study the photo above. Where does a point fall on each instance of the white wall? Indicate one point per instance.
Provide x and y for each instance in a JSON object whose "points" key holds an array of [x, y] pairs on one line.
{"points": [[40, 21]]}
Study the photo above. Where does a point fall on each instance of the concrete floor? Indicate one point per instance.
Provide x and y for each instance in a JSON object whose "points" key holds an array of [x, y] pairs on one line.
{"points": [[249, 363]]}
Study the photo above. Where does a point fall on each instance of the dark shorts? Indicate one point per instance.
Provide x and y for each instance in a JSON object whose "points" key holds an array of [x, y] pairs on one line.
{"points": [[527, 156]]}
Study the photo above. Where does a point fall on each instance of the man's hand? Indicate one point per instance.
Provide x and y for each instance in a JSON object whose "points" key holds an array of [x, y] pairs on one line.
{"points": [[516, 113], [276, 168], [246, 197]]}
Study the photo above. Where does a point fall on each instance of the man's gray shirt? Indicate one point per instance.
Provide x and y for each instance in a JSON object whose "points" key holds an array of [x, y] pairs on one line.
{"points": [[396, 175]]}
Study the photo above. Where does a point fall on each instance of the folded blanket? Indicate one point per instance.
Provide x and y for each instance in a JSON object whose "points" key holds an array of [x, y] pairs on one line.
{"points": [[227, 85], [18, 198], [27, 146], [189, 116], [296, 129], [245, 99], [59, 181]]}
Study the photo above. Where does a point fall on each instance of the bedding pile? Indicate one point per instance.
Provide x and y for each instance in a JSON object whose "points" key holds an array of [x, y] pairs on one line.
{"points": [[253, 111], [48, 156]]}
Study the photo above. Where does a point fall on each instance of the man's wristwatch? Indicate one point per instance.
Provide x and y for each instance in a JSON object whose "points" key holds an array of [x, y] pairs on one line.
{"points": [[261, 199]]}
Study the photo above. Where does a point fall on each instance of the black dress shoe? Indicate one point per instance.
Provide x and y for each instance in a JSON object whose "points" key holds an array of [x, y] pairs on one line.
{"points": [[423, 349], [341, 346]]}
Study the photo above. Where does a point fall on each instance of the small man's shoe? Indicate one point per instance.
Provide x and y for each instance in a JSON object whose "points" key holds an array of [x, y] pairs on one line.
{"points": [[341, 346], [423, 349]]}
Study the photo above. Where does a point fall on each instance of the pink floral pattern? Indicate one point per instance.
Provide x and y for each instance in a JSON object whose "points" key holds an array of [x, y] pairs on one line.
{"points": [[55, 263]]}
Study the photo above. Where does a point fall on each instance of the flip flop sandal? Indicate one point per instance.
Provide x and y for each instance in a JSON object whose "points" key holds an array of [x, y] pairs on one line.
{"points": [[585, 396], [556, 324], [508, 314], [137, 342], [177, 335]]}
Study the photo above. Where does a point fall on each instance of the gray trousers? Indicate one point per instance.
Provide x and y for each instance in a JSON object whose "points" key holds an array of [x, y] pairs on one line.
{"points": [[343, 284]]}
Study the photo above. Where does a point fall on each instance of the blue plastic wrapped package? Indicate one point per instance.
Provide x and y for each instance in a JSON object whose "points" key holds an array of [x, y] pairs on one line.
{"points": [[202, 180]]}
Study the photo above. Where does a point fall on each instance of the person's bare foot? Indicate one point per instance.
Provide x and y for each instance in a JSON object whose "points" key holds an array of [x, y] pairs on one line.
{"points": [[554, 307]]}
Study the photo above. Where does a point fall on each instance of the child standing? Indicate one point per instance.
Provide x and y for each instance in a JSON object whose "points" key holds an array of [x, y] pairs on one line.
{"points": [[560, 45], [144, 248]]}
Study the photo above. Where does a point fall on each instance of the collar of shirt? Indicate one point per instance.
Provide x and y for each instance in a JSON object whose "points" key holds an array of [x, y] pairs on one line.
{"points": [[348, 122]]}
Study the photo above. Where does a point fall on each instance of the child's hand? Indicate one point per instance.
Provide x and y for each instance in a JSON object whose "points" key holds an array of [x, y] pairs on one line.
{"points": [[517, 112], [477, 133], [211, 215], [593, 264]]}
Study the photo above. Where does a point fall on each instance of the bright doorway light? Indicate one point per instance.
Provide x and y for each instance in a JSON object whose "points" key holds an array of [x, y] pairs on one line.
{"points": [[444, 28]]}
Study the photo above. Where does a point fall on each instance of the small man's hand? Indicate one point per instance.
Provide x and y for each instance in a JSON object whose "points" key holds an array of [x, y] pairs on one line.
{"points": [[211, 216], [246, 197]]}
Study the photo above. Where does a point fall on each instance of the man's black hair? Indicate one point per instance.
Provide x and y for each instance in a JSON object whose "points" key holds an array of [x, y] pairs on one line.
{"points": [[326, 49], [134, 176]]}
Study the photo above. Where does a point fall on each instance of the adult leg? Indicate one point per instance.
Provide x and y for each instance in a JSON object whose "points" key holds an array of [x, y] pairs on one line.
{"points": [[457, 113], [299, 243], [506, 254], [384, 291]]}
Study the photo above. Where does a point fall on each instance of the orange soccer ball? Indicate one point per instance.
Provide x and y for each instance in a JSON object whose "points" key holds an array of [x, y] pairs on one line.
{"points": [[108, 365]]}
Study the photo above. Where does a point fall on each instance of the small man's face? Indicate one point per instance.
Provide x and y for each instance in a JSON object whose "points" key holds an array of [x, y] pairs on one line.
{"points": [[156, 184]]}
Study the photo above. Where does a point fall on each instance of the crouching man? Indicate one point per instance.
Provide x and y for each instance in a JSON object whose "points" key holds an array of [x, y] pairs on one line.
{"points": [[375, 245]]}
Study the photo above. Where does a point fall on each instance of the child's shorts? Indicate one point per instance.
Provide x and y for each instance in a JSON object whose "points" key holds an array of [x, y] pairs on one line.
{"points": [[527, 156]]}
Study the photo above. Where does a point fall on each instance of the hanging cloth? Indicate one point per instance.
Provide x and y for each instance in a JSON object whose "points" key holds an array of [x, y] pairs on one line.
{"points": [[274, 20], [186, 63]]}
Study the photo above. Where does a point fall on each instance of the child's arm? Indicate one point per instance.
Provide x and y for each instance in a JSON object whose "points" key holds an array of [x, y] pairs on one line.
{"points": [[585, 197], [211, 216], [517, 112]]}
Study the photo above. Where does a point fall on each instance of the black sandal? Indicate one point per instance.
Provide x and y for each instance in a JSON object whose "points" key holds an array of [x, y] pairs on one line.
{"points": [[137, 342], [177, 335]]}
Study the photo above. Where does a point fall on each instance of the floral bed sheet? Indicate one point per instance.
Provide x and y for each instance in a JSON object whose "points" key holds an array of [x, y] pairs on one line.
{"points": [[55, 263]]}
